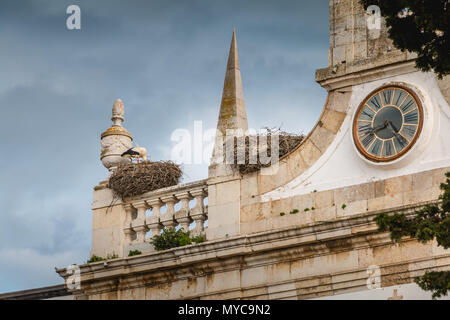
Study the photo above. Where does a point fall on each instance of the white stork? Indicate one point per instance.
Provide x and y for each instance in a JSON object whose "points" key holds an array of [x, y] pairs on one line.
{"points": [[136, 152]]}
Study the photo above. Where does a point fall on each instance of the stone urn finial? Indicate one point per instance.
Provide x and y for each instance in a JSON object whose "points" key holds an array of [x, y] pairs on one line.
{"points": [[117, 113], [116, 140]]}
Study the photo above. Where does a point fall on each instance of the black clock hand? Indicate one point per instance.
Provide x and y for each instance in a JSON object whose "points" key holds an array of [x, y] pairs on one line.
{"points": [[370, 131], [399, 137], [378, 128], [390, 126]]}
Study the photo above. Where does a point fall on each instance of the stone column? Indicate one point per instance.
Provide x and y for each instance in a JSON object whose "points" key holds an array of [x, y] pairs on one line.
{"points": [[130, 234], [182, 215], [198, 212], [154, 221], [139, 224], [168, 218]]}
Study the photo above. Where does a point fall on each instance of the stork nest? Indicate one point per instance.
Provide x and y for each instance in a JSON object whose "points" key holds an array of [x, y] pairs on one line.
{"points": [[287, 143], [132, 179]]}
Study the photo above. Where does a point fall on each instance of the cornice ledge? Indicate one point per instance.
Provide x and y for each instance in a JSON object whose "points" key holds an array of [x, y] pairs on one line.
{"points": [[330, 81], [237, 246]]}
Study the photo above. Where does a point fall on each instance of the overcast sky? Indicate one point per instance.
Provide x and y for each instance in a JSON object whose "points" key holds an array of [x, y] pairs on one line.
{"points": [[166, 60]]}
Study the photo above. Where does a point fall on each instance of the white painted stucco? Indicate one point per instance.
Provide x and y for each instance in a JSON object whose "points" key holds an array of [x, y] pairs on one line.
{"points": [[342, 165], [410, 291]]}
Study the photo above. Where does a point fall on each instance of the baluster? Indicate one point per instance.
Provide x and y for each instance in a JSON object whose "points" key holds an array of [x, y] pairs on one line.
{"points": [[127, 229], [154, 221], [138, 224], [168, 218], [182, 215], [198, 212]]}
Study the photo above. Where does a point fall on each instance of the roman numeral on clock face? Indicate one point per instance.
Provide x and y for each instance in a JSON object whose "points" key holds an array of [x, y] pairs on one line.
{"points": [[364, 128], [400, 143], [412, 117], [375, 149], [388, 148], [366, 114], [409, 131], [399, 96], [375, 102], [367, 140], [408, 105], [387, 96]]}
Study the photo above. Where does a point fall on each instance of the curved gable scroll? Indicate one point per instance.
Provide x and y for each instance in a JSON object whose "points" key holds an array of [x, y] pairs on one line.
{"points": [[313, 146]]}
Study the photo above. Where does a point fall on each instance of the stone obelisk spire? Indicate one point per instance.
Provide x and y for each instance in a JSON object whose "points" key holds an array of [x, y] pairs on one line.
{"points": [[224, 181], [232, 115], [232, 109]]}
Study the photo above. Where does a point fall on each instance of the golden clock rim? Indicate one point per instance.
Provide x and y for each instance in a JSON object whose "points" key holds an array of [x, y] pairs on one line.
{"points": [[356, 141]]}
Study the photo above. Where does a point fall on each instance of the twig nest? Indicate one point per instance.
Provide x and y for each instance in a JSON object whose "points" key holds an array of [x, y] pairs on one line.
{"points": [[287, 143], [131, 179]]}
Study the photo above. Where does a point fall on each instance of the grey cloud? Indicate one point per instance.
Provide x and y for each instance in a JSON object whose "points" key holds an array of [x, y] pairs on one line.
{"points": [[166, 60]]}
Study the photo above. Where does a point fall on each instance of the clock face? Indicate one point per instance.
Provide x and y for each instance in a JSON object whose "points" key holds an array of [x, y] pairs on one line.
{"points": [[387, 123]]}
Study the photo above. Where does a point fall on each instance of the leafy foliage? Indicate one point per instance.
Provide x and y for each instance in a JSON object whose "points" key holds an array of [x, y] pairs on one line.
{"points": [[421, 27], [437, 282], [171, 238], [95, 258], [197, 239], [432, 222], [134, 253]]}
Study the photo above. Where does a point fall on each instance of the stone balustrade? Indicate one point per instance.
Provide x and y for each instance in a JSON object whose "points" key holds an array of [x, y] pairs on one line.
{"points": [[145, 217]]}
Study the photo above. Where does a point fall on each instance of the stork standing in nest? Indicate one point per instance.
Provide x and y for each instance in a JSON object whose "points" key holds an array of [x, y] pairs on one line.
{"points": [[137, 153]]}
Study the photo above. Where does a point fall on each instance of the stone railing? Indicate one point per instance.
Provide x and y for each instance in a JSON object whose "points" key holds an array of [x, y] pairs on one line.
{"points": [[145, 215]]}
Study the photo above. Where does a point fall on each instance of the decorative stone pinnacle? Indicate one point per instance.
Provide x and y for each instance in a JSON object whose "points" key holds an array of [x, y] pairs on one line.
{"points": [[118, 112], [115, 140], [233, 57], [232, 108], [232, 114]]}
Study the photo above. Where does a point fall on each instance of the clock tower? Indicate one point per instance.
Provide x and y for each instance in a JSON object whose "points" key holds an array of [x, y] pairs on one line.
{"points": [[383, 118], [397, 115], [380, 145]]}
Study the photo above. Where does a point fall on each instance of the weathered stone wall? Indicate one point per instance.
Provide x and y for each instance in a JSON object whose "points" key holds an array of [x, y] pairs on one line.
{"points": [[342, 202], [108, 217], [350, 38], [327, 258], [444, 85]]}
